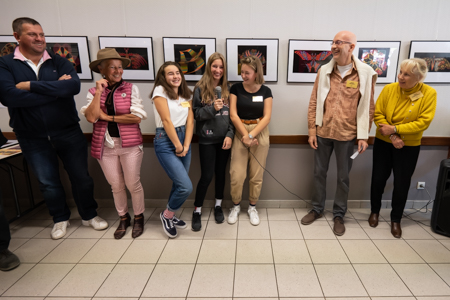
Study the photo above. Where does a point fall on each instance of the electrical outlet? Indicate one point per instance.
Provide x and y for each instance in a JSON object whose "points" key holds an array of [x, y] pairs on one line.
{"points": [[420, 185]]}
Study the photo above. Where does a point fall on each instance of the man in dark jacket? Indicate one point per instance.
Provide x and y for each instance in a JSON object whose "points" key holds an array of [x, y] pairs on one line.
{"points": [[38, 89]]}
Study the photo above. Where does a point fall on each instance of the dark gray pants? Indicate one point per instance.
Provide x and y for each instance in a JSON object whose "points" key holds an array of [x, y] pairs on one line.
{"points": [[5, 236], [343, 150]]}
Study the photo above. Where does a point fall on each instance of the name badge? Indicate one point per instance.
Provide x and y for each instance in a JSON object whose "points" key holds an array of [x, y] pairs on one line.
{"points": [[257, 99], [352, 84], [415, 96], [185, 104], [124, 95]]}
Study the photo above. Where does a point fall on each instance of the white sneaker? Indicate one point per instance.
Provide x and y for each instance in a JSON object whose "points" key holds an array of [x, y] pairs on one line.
{"points": [[234, 212], [97, 223], [59, 230], [253, 215]]}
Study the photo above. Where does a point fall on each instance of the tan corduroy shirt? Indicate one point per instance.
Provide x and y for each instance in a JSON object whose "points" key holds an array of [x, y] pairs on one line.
{"points": [[339, 118]]}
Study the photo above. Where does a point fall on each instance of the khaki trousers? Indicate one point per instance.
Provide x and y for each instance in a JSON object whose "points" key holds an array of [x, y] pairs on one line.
{"points": [[241, 157]]}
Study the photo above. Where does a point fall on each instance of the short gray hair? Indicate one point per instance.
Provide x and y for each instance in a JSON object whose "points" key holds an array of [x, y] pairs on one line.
{"points": [[417, 66]]}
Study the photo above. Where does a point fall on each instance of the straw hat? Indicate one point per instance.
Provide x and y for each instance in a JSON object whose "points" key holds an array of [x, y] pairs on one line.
{"points": [[107, 53]]}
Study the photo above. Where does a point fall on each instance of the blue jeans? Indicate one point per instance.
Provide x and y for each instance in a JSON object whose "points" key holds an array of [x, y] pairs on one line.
{"points": [[177, 168], [42, 155]]}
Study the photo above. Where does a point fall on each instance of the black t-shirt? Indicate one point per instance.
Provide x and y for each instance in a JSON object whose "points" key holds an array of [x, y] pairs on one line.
{"points": [[250, 106]]}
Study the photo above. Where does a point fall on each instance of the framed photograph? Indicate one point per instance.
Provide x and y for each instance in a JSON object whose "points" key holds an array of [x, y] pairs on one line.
{"points": [[7, 44], [191, 53], [138, 49], [265, 49], [437, 56], [381, 56], [305, 58], [75, 49]]}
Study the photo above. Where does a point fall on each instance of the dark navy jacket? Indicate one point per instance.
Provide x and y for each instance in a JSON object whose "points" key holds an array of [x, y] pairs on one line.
{"points": [[48, 109]]}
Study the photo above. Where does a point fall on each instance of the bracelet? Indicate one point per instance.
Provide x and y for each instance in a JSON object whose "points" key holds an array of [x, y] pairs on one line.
{"points": [[393, 135], [179, 152]]}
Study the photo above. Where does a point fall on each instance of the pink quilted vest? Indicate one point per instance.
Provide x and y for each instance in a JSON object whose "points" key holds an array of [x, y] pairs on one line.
{"points": [[130, 134]]}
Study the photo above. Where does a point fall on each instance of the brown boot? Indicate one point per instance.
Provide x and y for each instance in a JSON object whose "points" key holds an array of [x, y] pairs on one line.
{"points": [[373, 219], [396, 230], [339, 227], [138, 226], [121, 230], [311, 217]]}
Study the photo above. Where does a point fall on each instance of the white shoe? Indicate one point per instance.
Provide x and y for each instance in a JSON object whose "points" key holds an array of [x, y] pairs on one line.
{"points": [[97, 223], [253, 215], [234, 212], [59, 230]]}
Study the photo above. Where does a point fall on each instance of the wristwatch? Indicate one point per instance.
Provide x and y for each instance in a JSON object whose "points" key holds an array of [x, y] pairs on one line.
{"points": [[250, 136]]}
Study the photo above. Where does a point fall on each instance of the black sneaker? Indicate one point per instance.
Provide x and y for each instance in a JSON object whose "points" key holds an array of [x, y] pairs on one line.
{"points": [[179, 223], [168, 226], [218, 214], [196, 221], [8, 260]]}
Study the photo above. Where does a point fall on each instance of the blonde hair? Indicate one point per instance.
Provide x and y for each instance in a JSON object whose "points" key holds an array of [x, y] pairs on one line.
{"points": [[206, 83], [255, 63], [183, 89], [416, 66]]}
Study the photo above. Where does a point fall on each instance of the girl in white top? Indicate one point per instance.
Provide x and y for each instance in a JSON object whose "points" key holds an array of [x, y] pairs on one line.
{"points": [[174, 128]]}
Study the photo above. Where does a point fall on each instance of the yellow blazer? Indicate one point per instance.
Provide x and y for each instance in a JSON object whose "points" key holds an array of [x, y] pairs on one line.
{"points": [[416, 115]]}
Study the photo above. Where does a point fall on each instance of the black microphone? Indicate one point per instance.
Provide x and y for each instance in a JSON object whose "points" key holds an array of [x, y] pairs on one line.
{"points": [[218, 93]]}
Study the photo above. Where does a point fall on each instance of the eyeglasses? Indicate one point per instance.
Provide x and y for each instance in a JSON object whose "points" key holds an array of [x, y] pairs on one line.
{"points": [[338, 43]]}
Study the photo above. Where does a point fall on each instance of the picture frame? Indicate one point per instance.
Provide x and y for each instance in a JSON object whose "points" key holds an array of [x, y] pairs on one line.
{"points": [[382, 56], [75, 49], [266, 49], [190, 53], [305, 57], [138, 49], [437, 56], [7, 44]]}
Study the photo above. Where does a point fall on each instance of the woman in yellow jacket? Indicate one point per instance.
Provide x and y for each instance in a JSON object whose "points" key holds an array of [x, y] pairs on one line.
{"points": [[403, 111]]}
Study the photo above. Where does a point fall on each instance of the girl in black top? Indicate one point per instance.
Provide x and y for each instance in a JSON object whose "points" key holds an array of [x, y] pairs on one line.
{"points": [[215, 132]]}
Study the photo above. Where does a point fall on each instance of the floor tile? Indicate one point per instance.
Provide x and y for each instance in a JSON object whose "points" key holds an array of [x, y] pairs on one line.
{"points": [[301, 212], [108, 213], [253, 280], [180, 251], [46, 233], [35, 250], [7, 279], [40, 280], [83, 281], [326, 251], [155, 214], [16, 243], [285, 230], [443, 270], [362, 251], [106, 251], [446, 243], [290, 252], [163, 273], [433, 298], [70, 251], [421, 280], [381, 232], [222, 231], [398, 251], [212, 280], [126, 281], [392, 298], [217, 251], [428, 229], [87, 232], [297, 281], [339, 281], [413, 231], [319, 230], [431, 251], [143, 252], [29, 228], [381, 280], [27, 298], [254, 251], [281, 214], [153, 231], [247, 231], [188, 234]]}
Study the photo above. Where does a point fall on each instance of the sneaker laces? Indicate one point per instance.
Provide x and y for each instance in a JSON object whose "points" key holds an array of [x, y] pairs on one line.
{"points": [[59, 226], [234, 209]]}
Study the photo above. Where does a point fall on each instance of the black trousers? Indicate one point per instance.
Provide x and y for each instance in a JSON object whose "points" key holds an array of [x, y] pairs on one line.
{"points": [[5, 235], [386, 158], [213, 161]]}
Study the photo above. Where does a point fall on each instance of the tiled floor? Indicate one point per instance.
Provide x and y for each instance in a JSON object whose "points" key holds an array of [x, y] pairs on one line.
{"points": [[279, 259]]}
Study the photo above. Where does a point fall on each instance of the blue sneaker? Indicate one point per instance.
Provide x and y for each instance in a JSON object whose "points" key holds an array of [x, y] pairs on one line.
{"points": [[168, 226], [179, 223]]}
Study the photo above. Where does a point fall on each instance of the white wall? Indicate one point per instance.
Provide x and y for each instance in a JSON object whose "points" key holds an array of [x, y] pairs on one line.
{"points": [[399, 20]]}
